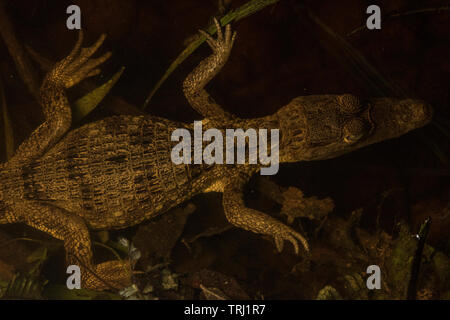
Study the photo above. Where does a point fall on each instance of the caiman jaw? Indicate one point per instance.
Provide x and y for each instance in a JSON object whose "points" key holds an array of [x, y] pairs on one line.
{"points": [[392, 118]]}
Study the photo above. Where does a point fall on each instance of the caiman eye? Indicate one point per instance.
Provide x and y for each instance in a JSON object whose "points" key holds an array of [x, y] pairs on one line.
{"points": [[354, 130], [349, 103]]}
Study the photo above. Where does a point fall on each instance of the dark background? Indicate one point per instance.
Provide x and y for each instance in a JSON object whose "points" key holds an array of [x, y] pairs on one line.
{"points": [[280, 53]]}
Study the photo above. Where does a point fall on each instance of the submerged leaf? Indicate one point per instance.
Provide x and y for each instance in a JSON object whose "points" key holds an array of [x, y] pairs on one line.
{"points": [[90, 101]]}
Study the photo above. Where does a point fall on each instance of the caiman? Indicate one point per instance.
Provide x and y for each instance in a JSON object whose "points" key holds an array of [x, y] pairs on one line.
{"points": [[117, 172]]}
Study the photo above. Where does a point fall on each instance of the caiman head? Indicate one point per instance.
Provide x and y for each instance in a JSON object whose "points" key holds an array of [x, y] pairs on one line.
{"points": [[326, 126]]}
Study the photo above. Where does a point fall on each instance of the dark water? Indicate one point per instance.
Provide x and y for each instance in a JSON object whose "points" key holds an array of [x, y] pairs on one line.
{"points": [[280, 53]]}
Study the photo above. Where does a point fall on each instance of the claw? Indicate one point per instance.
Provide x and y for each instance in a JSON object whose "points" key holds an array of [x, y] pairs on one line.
{"points": [[87, 70], [92, 63], [85, 54], [294, 243], [233, 38], [89, 51], [93, 73], [291, 236], [279, 243], [227, 34], [75, 49], [219, 30], [223, 42], [302, 240]]}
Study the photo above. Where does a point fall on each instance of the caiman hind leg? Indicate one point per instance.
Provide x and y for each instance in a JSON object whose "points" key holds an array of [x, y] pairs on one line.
{"points": [[77, 66], [194, 85], [73, 231], [252, 220]]}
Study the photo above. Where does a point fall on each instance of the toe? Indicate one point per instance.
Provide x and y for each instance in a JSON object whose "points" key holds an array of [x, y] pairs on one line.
{"points": [[294, 243], [219, 30], [75, 49], [279, 243]]}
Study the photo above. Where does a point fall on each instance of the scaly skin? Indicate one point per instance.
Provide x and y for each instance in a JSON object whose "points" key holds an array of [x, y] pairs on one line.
{"points": [[117, 172]]}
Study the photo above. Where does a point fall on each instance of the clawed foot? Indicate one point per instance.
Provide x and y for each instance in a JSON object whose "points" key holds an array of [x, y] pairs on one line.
{"points": [[282, 232], [78, 65], [222, 46]]}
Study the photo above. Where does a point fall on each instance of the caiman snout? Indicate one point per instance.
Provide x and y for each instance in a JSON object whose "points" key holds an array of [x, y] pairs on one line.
{"points": [[395, 117], [415, 113]]}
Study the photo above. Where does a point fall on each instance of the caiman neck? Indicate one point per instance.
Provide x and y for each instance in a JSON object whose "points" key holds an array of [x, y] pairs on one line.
{"points": [[292, 131], [267, 122]]}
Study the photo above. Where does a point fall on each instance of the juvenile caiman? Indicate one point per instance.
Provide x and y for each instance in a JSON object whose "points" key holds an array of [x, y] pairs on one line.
{"points": [[117, 172]]}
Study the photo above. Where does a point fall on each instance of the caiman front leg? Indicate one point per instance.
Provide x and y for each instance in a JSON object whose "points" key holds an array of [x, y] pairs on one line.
{"points": [[70, 228], [252, 220], [58, 117], [195, 82]]}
